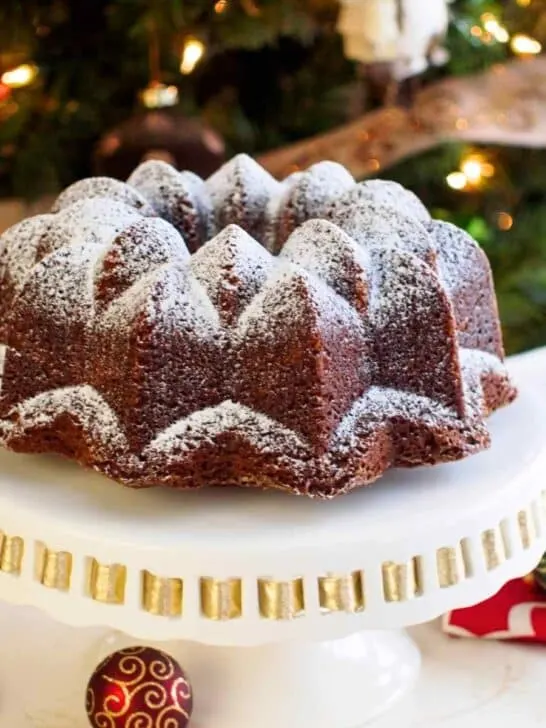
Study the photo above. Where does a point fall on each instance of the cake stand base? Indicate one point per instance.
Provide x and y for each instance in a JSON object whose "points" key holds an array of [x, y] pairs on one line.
{"points": [[343, 683]]}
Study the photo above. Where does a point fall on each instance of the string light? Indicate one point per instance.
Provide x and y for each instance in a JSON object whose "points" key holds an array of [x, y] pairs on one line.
{"points": [[524, 3], [159, 96], [457, 180], [494, 28], [524, 45], [221, 6], [20, 76], [505, 221], [473, 170], [191, 55]]}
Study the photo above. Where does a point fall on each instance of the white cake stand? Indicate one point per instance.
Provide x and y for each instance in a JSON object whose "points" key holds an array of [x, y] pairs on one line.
{"points": [[273, 603]]}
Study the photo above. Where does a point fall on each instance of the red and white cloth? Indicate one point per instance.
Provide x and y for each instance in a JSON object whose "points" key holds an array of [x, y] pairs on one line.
{"points": [[517, 612]]}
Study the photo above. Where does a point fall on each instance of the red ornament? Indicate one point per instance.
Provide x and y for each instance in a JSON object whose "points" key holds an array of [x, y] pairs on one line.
{"points": [[139, 686]]}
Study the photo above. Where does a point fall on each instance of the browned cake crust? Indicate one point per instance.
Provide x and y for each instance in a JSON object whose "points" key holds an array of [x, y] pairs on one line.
{"points": [[304, 335]]}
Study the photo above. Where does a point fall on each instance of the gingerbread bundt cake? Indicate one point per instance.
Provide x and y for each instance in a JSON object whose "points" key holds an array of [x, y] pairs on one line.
{"points": [[303, 335]]}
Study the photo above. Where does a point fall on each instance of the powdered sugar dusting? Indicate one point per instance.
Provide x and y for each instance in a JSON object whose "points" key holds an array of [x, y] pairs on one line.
{"points": [[205, 425], [329, 253], [136, 251], [241, 192], [105, 187], [457, 254], [166, 296], [61, 286], [84, 405], [19, 249], [292, 295], [232, 267], [366, 222], [390, 193], [401, 286], [93, 221]]}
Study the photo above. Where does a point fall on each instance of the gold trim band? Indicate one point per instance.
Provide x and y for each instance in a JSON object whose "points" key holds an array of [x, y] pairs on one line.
{"points": [[221, 600], [402, 582], [12, 550], [342, 593], [161, 596], [493, 548], [107, 582], [281, 600], [53, 568]]}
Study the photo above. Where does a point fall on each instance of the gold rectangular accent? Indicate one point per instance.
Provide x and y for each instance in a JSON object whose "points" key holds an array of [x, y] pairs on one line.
{"points": [[11, 553], [526, 529], [161, 596], [221, 600], [493, 548], [281, 600], [450, 566], [401, 582], [53, 568], [107, 582], [342, 593]]}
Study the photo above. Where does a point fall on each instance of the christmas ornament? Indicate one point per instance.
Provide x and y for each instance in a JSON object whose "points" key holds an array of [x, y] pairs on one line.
{"points": [[405, 34], [139, 686], [516, 613], [160, 131]]}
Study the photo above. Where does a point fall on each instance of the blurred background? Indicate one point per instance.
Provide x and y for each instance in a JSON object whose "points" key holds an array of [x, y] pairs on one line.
{"points": [[448, 98]]}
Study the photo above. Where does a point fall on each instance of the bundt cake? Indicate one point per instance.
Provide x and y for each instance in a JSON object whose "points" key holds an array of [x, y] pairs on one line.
{"points": [[304, 335]]}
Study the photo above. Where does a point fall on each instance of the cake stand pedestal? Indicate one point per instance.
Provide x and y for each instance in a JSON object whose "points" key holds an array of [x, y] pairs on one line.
{"points": [[285, 612]]}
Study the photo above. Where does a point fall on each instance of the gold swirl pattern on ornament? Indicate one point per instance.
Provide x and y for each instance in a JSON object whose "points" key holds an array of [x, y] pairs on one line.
{"points": [[107, 582], [281, 600], [53, 568], [342, 593], [162, 596], [145, 686], [221, 600], [12, 549], [402, 582]]}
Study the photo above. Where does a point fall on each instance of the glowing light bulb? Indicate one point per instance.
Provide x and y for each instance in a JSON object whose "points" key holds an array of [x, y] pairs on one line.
{"points": [[221, 6], [20, 76], [191, 55], [159, 96], [505, 221], [457, 180], [524, 45], [472, 170]]}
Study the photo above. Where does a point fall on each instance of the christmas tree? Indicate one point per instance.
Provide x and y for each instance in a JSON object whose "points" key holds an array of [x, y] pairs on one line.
{"points": [[264, 74]]}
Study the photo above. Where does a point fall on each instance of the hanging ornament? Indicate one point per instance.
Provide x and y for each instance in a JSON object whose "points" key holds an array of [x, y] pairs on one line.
{"points": [[160, 131], [405, 35], [139, 686]]}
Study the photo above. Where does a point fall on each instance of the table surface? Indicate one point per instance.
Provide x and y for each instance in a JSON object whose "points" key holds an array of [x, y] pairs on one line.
{"points": [[464, 683]]}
